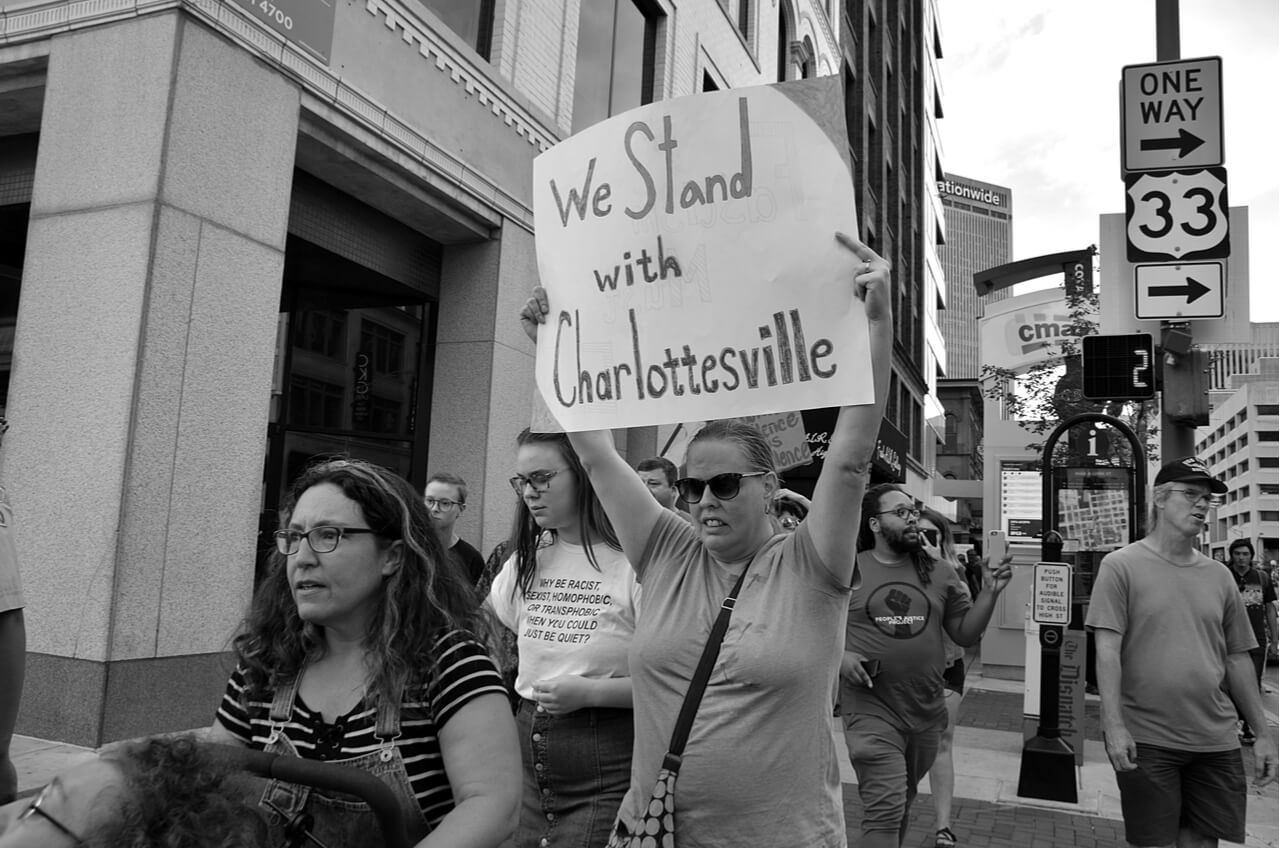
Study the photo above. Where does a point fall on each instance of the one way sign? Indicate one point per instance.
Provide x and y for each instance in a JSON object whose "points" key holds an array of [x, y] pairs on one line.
{"points": [[1182, 292], [1172, 115]]}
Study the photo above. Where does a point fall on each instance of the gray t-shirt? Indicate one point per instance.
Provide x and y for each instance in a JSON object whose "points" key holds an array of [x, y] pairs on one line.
{"points": [[1179, 623], [760, 767], [895, 618]]}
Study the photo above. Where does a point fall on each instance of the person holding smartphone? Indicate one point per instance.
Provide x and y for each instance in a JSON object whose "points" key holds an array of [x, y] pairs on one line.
{"points": [[935, 531], [898, 615]]}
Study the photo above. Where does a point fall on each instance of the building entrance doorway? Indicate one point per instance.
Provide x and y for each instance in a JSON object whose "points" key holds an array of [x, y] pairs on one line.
{"points": [[354, 358]]}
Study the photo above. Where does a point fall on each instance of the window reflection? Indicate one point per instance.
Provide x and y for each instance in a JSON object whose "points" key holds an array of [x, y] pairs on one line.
{"points": [[470, 20], [617, 40]]}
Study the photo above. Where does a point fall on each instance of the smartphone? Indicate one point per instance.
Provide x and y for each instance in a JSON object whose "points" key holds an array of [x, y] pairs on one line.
{"points": [[871, 667], [997, 547], [932, 536]]}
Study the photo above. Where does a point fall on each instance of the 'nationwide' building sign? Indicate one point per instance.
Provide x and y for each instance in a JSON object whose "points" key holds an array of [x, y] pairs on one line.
{"points": [[969, 191]]}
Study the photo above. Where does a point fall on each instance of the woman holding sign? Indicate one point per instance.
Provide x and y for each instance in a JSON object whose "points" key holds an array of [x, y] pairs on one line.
{"points": [[760, 767], [569, 596]]}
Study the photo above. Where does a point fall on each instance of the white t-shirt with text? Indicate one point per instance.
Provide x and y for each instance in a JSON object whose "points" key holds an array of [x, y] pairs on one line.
{"points": [[575, 619]]}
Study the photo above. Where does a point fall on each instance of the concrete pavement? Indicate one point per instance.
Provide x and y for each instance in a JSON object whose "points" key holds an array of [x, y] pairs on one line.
{"points": [[987, 809]]}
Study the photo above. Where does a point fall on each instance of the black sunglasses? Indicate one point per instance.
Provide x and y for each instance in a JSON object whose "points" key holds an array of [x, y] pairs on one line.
{"points": [[724, 486]]}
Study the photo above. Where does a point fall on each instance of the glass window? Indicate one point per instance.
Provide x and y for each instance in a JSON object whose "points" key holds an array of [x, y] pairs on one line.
{"points": [[315, 403], [321, 331], [617, 40], [384, 346], [471, 20]]}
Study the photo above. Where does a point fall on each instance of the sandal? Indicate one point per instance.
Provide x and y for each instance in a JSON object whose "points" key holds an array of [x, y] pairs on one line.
{"points": [[944, 838]]}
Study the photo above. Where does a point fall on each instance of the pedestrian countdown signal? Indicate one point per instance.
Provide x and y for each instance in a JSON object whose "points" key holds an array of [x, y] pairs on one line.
{"points": [[1118, 367]]}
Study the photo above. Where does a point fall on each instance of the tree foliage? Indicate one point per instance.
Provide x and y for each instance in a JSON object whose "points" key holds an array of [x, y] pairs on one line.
{"points": [[1042, 396]]}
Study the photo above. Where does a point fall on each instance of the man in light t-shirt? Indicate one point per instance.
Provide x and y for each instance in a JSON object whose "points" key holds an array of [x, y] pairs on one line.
{"points": [[1170, 631]]}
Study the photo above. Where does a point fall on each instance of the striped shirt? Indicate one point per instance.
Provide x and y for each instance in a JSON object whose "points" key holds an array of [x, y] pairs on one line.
{"points": [[465, 673]]}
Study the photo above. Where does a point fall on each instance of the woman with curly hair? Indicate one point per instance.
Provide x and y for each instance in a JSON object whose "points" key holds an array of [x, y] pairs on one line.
{"points": [[158, 793], [569, 596], [363, 648]]}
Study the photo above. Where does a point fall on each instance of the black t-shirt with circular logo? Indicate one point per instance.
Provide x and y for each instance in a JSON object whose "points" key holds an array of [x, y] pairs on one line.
{"points": [[896, 618]]}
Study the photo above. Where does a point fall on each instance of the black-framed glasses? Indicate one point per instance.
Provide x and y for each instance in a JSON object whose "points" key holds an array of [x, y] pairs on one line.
{"points": [[539, 481], [724, 486], [37, 809], [906, 513], [323, 539], [1197, 499], [440, 503]]}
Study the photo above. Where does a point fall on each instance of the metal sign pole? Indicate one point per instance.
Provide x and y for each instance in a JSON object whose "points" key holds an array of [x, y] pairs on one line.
{"points": [[1048, 762]]}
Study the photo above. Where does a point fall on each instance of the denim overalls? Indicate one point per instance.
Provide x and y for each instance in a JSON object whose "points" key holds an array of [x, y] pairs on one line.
{"points": [[337, 821]]}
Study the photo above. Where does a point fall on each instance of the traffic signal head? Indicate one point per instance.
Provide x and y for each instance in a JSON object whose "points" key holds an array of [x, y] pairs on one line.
{"points": [[1118, 367], [1184, 387]]}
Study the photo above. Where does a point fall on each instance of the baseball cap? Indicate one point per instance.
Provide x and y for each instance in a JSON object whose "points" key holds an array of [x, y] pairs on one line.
{"points": [[1190, 470]]}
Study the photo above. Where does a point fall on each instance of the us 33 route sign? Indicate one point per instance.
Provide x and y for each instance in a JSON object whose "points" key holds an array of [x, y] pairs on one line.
{"points": [[1174, 216], [1172, 115]]}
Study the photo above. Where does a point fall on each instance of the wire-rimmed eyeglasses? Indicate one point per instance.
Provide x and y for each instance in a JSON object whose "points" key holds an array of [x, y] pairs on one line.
{"points": [[1198, 499], [323, 539], [37, 809], [440, 503]]}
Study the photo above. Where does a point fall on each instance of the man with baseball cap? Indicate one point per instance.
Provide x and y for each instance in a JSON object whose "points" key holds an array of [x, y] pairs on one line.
{"points": [[1170, 630]]}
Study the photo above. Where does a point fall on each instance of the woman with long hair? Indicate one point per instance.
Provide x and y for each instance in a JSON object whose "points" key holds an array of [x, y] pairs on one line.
{"points": [[760, 765], [363, 647], [569, 595]]}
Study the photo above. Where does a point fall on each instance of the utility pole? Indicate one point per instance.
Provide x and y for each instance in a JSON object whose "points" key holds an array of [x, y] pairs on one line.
{"points": [[1176, 437]]}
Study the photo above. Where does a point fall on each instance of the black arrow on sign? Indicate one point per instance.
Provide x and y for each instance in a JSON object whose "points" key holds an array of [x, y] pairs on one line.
{"points": [[1184, 143], [1193, 290]]}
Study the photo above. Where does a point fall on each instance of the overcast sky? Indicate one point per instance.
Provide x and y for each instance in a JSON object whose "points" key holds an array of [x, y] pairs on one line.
{"points": [[1031, 102]]}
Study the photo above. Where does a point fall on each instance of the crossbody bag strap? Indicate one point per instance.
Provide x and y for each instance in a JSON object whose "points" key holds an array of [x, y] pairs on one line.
{"points": [[693, 697]]}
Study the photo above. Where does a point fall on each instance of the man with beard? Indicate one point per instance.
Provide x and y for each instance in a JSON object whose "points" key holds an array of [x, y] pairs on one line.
{"points": [[892, 693], [1173, 643]]}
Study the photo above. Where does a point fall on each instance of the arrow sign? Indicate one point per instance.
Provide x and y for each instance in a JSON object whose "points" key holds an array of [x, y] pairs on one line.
{"points": [[1156, 296], [1193, 290], [1184, 143], [1171, 115]]}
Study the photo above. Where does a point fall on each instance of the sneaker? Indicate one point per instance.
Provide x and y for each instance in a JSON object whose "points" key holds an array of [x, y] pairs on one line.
{"points": [[944, 838]]}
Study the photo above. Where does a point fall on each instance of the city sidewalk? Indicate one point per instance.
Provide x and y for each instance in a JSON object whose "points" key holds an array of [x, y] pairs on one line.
{"points": [[987, 810]]}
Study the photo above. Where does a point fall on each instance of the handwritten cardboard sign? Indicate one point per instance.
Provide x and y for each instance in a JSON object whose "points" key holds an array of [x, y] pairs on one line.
{"points": [[785, 433], [688, 252]]}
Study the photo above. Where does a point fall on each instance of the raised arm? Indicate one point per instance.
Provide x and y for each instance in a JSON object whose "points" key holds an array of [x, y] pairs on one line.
{"points": [[626, 499], [833, 519]]}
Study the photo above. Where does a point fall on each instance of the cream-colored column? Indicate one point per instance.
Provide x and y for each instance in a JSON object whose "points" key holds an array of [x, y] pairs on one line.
{"points": [[142, 371], [483, 375]]}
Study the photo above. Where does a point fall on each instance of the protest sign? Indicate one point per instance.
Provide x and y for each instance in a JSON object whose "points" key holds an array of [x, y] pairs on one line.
{"points": [[785, 433], [688, 252]]}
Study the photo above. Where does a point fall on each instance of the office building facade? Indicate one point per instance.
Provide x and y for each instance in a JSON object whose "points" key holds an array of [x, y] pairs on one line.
{"points": [[979, 218], [1241, 446], [891, 51]]}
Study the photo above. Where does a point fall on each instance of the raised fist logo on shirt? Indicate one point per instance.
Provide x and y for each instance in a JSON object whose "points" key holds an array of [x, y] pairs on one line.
{"points": [[899, 610]]}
